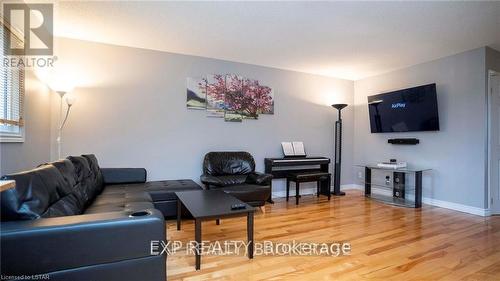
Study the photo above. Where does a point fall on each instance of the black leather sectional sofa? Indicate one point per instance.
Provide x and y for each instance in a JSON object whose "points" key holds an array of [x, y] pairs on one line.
{"points": [[72, 220]]}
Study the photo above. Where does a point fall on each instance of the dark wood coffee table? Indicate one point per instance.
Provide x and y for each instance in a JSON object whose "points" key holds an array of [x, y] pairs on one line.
{"points": [[212, 204]]}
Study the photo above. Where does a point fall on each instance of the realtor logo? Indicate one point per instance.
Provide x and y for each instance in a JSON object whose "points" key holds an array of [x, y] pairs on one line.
{"points": [[35, 23]]}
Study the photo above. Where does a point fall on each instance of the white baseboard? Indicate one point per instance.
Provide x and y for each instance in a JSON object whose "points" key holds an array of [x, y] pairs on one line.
{"points": [[457, 207], [429, 201]]}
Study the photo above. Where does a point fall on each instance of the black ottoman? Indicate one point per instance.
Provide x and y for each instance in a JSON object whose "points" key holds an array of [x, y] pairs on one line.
{"points": [[162, 192]]}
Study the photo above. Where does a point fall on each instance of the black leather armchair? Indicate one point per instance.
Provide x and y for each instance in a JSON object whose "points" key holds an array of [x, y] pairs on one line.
{"points": [[234, 172]]}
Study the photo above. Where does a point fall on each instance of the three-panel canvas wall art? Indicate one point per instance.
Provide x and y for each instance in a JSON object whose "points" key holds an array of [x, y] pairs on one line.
{"points": [[229, 96]]}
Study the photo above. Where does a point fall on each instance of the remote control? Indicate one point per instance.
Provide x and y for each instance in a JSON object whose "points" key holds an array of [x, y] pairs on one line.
{"points": [[238, 206]]}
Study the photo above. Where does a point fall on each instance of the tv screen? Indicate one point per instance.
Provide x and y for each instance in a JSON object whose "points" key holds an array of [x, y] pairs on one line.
{"points": [[408, 110]]}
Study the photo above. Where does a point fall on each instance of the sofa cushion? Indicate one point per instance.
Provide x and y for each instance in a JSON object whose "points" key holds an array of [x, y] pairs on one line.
{"points": [[123, 175], [125, 197], [228, 163], [119, 207], [210, 180], [86, 179], [69, 205], [231, 179], [259, 178], [67, 170], [36, 190], [96, 171]]}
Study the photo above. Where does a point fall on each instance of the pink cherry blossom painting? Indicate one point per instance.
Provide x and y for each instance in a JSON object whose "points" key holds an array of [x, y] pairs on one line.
{"points": [[215, 89], [196, 95], [235, 97]]}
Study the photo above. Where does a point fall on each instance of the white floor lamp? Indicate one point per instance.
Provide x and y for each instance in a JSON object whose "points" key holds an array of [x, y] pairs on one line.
{"points": [[70, 100]]}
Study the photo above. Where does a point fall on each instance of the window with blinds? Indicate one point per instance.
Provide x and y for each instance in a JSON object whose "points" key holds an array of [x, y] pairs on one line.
{"points": [[11, 94]]}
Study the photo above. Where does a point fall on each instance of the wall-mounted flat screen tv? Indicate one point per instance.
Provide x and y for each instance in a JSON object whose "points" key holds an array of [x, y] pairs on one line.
{"points": [[408, 110]]}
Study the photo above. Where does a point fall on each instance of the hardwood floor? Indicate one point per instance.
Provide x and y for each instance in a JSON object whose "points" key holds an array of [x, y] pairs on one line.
{"points": [[388, 243]]}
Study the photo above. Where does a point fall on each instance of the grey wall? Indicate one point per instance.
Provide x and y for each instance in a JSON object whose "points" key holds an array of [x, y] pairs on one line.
{"points": [[36, 148], [131, 111], [457, 153]]}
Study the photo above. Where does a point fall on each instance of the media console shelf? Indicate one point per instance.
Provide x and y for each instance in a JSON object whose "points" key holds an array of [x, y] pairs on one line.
{"points": [[399, 187]]}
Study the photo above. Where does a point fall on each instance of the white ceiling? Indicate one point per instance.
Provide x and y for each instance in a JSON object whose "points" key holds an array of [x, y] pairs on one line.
{"points": [[349, 40]]}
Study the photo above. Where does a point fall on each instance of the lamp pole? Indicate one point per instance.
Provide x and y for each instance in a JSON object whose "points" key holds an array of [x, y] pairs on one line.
{"points": [[59, 133], [69, 102], [338, 151]]}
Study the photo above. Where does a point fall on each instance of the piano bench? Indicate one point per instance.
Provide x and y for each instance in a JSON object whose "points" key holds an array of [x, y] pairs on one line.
{"points": [[318, 177]]}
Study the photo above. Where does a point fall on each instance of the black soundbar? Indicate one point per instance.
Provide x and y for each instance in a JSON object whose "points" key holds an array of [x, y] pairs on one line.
{"points": [[404, 141]]}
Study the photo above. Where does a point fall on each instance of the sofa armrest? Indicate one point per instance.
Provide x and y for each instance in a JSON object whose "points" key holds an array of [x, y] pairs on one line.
{"points": [[123, 175], [209, 180], [53, 244], [259, 178]]}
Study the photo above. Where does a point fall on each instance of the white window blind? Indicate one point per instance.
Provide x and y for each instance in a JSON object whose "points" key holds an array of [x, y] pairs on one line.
{"points": [[12, 92]]}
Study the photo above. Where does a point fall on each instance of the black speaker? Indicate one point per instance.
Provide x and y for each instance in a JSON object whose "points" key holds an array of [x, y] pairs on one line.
{"points": [[398, 190], [404, 141]]}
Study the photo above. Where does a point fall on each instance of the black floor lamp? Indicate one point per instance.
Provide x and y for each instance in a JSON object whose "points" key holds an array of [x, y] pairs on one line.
{"points": [[338, 151]]}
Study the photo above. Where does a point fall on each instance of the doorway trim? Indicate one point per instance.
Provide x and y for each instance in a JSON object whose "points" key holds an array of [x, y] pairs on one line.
{"points": [[489, 92]]}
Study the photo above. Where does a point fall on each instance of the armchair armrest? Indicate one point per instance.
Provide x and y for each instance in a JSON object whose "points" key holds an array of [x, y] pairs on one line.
{"points": [[210, 180], [259, 178], [123, 175], [54, 244]]}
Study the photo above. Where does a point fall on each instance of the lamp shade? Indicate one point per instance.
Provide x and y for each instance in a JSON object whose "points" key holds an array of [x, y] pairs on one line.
{"points": [[339, 106], [70, 99], [60, 87]]}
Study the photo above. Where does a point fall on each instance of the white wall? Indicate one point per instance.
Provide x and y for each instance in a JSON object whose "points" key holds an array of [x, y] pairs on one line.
{"points": [[131, 111], [36, 148], [457, 153]]}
